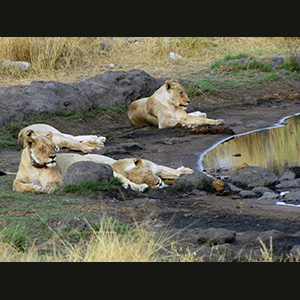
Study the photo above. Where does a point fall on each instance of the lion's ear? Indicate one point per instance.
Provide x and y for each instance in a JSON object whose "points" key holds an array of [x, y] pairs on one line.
{"points": [[168, 84], [138, 162], [29, 142], [30, 132]]}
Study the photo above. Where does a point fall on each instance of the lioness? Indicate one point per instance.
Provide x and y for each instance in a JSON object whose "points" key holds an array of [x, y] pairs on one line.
{"points": [[166, 108], [41, 169], [84, 143]]}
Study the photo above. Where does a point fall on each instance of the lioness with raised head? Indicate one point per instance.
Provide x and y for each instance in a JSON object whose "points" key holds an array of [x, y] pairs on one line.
{"points": [[41, 169], [166, 108], [84, 143]]}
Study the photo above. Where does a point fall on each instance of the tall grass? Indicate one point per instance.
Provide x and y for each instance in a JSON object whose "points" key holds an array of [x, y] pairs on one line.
{"points": [[65, 58], [104, 245]]}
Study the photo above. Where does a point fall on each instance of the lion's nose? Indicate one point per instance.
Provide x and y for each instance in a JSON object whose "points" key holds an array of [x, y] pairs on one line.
{"points": [[52, 156]]}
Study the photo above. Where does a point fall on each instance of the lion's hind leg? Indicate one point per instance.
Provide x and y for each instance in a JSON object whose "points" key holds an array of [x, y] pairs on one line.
{"points": [[91, 140], [169, 173], [190, 120], [184, 170], [68, 141]]}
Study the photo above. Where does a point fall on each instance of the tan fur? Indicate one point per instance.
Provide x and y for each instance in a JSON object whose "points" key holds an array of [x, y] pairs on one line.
{"points": [[37, 171], [42, 170], [166, 108], [84, 143]]}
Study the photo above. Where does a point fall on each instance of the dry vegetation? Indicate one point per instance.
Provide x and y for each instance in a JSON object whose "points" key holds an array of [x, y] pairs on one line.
{"points": [[70, 59]]}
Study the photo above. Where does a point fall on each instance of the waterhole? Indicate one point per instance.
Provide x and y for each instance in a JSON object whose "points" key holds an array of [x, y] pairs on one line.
{"points": [[274, 148]]}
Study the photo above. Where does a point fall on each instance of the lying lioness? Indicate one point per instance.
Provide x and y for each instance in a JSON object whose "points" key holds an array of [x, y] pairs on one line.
{"points": [[166, 108], [84, 143], [42, 170]]}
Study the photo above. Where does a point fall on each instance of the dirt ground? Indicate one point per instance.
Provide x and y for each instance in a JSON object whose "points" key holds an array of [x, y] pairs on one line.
{"points": [[177, 147]]}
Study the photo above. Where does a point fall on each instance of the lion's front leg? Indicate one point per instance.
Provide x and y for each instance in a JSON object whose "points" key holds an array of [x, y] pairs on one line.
{"points": [[126, 182], [22, 187], [50, 187]]}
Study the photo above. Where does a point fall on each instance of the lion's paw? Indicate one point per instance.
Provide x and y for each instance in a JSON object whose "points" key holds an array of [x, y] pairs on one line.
{"points": [[185, 170], [219, 122], [125, 185], [142, 187]]}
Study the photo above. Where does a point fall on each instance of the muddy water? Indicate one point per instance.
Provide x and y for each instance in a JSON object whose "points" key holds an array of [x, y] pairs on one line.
{"points": [[272, 148]]}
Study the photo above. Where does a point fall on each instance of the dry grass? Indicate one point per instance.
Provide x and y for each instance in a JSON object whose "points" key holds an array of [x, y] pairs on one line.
{"points": [[70, 59], [104, 245]]}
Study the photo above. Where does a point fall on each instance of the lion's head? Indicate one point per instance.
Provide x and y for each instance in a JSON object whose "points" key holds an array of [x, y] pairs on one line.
{"points": [[42, 149], [177, 94], [141, 174]]}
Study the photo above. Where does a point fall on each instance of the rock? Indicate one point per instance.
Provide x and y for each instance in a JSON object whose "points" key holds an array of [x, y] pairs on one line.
{"points": [[292, 197], [288, 184], [269, 197], [19, 65], [110, 66], [215, 236], [188, 182], [19, 103], [234, 189], [260, 190], [287, 175], [247, 194], [174, 56], [277, 60], [253, 176], [255, 238], [87, 170], [58, 223]]}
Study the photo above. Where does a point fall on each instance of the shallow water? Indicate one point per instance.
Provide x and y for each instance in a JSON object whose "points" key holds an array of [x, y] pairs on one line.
{"points": [[273, 148]]}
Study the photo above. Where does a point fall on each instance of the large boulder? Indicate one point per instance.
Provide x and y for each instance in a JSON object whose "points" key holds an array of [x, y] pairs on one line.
{"points": [[87, 170], [253, 176], [18, 103]]}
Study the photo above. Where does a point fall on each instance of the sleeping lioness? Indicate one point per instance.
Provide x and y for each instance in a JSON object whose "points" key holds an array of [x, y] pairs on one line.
{"points": [[84, 143], [41, 169], [166, 108]]}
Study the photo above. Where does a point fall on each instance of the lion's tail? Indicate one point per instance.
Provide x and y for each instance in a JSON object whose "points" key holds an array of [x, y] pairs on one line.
{"points": [[7, 173]]}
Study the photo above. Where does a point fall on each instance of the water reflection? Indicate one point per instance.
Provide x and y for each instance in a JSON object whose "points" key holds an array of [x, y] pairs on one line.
{"points": [[273, 148]]}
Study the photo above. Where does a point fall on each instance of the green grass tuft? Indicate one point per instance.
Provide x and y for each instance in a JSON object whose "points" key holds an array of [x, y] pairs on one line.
{"points": [[87, 187]]}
